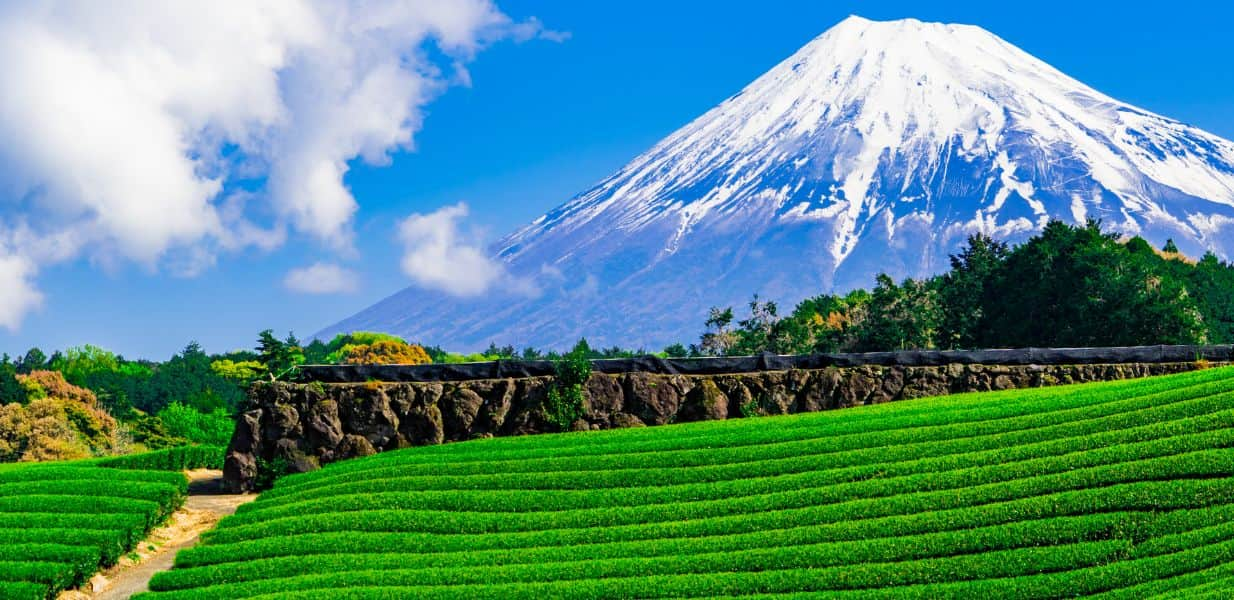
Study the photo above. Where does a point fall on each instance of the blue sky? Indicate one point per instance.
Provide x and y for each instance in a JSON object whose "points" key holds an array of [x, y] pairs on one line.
{"points": [[543, 119]]}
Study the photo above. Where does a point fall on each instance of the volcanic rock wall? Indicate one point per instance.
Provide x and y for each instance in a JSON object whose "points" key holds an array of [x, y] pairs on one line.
{"points": [[300, 427]]}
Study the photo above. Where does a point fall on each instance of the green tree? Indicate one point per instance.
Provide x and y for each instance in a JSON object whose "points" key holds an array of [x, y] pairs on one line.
{"points": [[826, 323], [495, 352], [34, 360], [899, 317], [583, 349], [79, 363], [281, 357], [117, 389], [10, 390], [1212, 284], [761, 331], [530, 353], [719, 340], [962, 289], [1066, 286], [316, 352], [188, 379], [1079, 286]]}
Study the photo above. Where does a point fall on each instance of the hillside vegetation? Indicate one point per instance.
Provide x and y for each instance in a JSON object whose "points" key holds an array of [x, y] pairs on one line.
{"points": [[1121, 490], [1067, 286], [61, 522]]}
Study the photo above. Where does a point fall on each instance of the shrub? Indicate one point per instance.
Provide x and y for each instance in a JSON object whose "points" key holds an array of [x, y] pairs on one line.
{"points": [[110, 544], [52, 428], [212, 428], [749, 409], [60, 422], [170, 459], [338, 347], [567, 397], [242, 372], [150, 432], [23, 590], [128, 527], [268, 471], [386, 352], [51, 384]]}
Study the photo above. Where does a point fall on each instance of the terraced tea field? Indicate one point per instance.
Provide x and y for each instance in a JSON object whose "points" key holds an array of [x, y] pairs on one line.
{"points": [[61, 522], [1120, 490]]}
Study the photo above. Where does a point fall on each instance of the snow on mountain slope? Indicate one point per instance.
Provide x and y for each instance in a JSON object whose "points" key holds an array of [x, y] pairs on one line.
{"points": [[879, 146]]}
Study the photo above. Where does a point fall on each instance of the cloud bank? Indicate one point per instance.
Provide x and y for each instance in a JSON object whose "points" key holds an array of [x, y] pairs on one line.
{"points": [[17, 293], [166, 133], [437, 255], [321, 278]]}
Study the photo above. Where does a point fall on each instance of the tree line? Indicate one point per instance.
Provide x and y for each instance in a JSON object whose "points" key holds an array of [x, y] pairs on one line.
{"points": [[1068, 286]]}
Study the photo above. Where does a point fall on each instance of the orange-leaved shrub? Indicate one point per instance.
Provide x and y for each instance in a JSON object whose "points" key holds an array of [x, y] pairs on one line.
{"points": [[52, 384], [60, 421], [386, 352]]}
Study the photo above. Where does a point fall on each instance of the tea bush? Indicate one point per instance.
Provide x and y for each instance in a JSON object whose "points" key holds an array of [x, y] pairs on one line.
{"points": [[1117, 489], [61, 522]]}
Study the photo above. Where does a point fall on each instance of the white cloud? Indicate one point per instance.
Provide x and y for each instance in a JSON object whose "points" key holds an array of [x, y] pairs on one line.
{"points": [[123, 122], [437, 257], [321, 278], [17, 293]]}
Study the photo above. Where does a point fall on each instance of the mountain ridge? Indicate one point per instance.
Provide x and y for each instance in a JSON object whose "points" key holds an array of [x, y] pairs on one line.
{"points": [[878, 146]]}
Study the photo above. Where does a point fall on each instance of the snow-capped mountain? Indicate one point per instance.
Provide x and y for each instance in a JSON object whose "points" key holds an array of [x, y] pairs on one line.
{"points": [[879, 146]]}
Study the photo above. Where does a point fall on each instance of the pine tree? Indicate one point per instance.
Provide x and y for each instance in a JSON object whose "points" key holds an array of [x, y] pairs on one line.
{"points": [[34, 360], [279, 356], [962, 288], [10, 390]]}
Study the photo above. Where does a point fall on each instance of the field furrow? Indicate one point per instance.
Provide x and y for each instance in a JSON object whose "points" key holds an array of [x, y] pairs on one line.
{"points": [[1120, 490], [62, 522]]}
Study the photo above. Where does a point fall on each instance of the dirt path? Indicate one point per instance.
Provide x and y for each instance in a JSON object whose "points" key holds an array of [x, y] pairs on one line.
{"points": [[205, 505]]}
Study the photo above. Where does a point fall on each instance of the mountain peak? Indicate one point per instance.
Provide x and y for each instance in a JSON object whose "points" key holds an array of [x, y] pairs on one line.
{"points": [[860, 22], [857, 25], [853, 21], [879, 146]]}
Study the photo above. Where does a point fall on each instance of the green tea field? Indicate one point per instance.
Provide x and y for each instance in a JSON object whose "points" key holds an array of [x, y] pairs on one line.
{"points": [[1116, 490], [61, 522]]}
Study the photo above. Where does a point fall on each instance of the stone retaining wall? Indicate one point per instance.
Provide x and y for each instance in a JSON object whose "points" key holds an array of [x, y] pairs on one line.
{"points": [[303, 426]]}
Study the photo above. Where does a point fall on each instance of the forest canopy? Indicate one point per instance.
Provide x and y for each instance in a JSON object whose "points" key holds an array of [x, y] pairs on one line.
{"points": [[1068, 286]]}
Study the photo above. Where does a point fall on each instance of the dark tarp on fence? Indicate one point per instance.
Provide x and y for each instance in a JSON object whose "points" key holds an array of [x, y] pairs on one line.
{"points": [[770, 362]]}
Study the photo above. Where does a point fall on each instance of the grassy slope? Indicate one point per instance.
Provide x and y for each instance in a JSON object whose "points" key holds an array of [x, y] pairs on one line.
{"points": [[61, 522], [1120, 489]]}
